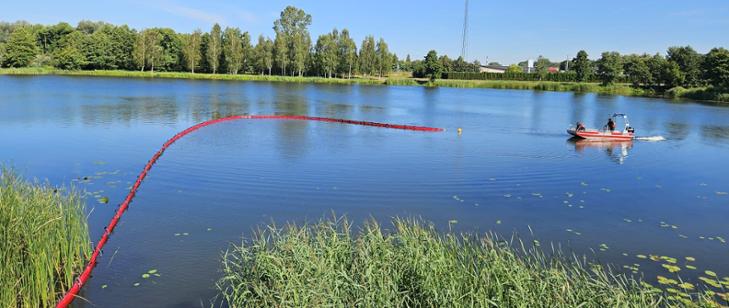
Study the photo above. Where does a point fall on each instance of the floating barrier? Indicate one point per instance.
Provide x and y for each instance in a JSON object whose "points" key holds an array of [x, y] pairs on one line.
{"points": [[86, 274]]}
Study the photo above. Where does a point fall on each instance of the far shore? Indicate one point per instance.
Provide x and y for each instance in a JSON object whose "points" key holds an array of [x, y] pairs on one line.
{"points": [[577, 87]]}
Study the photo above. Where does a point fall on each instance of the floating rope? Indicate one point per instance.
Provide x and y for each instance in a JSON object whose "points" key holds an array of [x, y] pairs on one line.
{"points": [[81, 281]]}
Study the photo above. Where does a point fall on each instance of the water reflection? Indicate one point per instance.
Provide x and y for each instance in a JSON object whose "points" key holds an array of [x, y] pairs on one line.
{"points": [[715, 132], [677, 131], [617, 151]]}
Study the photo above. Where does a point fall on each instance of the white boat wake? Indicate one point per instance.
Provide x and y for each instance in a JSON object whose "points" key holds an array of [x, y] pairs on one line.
{"points": [[651, 138]]}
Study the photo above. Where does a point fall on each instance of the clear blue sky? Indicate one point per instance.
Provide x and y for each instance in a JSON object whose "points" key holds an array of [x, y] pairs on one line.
{"points": [[503, 31]]}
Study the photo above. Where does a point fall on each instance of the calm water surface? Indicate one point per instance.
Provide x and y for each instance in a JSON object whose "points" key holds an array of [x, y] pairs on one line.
{"points": [[512, 169]]}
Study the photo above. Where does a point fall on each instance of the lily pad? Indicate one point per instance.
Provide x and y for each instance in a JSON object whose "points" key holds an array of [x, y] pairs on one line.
{"points": [[690, 259], [152, 271], [710, 273], [671, 268], [145, 275], [686, 286]]}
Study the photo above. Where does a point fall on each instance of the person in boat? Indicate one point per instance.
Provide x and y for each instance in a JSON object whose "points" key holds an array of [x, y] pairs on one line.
{"points": [[579, 127], [610, 124]]}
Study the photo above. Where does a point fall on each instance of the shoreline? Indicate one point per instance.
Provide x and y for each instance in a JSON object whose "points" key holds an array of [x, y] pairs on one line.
{"points": [[574, 87]]}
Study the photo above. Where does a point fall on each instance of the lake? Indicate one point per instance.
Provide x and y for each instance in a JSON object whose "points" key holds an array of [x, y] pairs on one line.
{"points": [[513, 170]]}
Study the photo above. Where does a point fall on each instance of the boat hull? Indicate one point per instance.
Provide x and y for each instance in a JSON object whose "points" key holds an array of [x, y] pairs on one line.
{"points": [[601, 135]]}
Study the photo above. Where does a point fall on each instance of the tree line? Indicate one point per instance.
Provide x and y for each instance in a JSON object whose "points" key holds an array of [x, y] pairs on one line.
{"points": [[681, 66], [102, 46]]}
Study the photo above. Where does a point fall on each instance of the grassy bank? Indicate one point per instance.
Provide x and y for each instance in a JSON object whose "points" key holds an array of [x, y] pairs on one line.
{"points": [[326, 264], [705, 94], [43, 242]]}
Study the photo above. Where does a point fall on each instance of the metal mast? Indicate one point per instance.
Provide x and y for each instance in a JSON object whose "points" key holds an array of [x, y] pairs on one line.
{"points": [[464, 40]]}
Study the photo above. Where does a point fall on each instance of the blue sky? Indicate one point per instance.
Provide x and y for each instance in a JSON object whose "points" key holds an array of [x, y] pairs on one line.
{"points": [[503, 31]]}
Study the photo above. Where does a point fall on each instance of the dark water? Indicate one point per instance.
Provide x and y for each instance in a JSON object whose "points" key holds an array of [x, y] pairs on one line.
{"points": [[512, 169]]}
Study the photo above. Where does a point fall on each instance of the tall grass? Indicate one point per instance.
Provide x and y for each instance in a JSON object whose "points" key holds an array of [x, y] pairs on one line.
{"points": [[43, 242], [326, 264]]}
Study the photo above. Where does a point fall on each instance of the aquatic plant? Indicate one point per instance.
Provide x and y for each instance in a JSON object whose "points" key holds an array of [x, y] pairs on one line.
{"points": [[327, 264], [44, 241]]}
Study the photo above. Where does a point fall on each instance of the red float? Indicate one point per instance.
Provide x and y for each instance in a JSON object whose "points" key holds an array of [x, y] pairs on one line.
{"points": [[81, 281]]}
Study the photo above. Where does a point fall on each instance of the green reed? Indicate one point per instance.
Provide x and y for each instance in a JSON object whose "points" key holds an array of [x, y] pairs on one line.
{"points": [[327, 264], [44, 241]]}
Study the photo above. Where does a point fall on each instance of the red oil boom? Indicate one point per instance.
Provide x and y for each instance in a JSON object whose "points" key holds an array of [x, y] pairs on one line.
{"points": [[86, 274]]}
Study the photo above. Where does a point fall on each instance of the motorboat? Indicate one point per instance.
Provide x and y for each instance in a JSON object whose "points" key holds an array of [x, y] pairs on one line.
{"points": [[627, 133]]}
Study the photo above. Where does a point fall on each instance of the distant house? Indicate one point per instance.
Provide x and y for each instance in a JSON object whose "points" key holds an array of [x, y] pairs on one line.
{"points": [[502, 69], [493, 69]]}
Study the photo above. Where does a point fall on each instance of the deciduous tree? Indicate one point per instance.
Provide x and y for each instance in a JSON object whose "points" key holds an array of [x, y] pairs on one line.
{"points": [[232, 50], [214, 48], [609, 67], [191, 50], [21, 48], [432, 66], [384, 58], [347, 53], [582, 66], [367, 56], [716, 68]]}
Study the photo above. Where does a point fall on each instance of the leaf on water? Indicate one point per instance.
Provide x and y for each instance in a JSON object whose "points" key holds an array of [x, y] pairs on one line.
{"points": [[103, 200], [156, 275], [691, 267], [145, 275], [641, 256], [103, 286], [671, 268], [498, 222], [669, 259], [185, 233], [690, 259], [136, 284], [625, 254], [686, 286], [152, 271], [627, 220], [177, 234], [666, 281], [710, 273], [710, 282]]}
